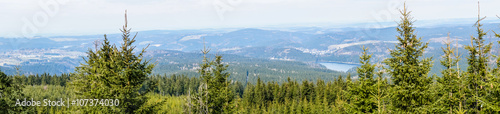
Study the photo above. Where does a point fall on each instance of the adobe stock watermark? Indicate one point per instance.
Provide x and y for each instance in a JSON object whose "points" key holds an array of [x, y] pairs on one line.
{"points": [[41, 18], [391, 11], [223, 6]]}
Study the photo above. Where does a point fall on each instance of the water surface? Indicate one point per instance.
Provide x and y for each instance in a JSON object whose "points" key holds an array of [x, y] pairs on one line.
{"points": [[338, 66]]}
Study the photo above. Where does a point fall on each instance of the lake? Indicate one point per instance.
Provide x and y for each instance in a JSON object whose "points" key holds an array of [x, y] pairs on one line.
{"points": [[338, 66]]}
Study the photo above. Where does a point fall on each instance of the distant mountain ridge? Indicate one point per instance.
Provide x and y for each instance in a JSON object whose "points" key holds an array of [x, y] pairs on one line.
{"points": [[302, 44]]}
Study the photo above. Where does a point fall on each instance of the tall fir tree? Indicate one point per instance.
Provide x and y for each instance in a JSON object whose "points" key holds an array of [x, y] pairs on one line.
{"points": [[478, 72], [215, 94], [408, 69], [362, 91], [449, 83], [114, 73], [219, 89]]}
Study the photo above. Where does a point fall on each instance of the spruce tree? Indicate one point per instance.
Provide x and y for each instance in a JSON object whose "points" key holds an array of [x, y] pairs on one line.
{"points": [[223, 94], [10, 91], [341, 101], [409, 69], [5, 90], [449, 83], [363, 89], [215, 94], [478, 72], [492, 100], [112, 72], [380, 95]]}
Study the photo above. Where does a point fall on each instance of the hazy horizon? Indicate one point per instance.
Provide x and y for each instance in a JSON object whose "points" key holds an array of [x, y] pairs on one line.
{"points": [[84, 17]]}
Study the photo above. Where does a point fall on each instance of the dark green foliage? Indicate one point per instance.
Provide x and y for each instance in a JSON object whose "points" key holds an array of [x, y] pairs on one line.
{"points": [[46, 79], [10, 91], [267, 70], [296, 97], [220, 94], [175, 85], [409, 69]]}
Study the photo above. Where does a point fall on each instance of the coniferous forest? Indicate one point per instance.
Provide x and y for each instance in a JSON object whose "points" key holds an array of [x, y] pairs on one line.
{"points": [[400, 84]]}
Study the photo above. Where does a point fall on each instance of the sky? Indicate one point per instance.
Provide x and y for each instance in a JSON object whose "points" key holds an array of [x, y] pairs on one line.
{"points": [[31, 18]]}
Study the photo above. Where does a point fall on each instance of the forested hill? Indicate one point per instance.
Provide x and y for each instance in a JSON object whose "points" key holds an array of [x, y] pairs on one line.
{"points": [[177, 62]]}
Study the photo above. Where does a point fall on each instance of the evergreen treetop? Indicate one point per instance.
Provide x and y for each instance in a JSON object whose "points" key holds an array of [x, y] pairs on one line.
{"points": [[114, 73], [408, 68]]}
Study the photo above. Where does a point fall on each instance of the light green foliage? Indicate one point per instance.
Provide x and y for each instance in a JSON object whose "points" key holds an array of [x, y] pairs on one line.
{"points": [[165, 104], [409, 69]]}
